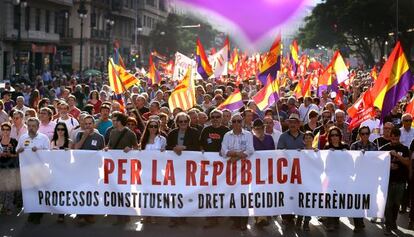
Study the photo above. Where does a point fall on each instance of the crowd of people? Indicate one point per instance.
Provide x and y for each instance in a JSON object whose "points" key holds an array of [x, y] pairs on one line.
{"points": [[64, 113]]}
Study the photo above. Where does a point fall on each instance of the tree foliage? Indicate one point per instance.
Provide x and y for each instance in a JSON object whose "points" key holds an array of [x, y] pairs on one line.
{"points": [[358, 25], [168, 37]]}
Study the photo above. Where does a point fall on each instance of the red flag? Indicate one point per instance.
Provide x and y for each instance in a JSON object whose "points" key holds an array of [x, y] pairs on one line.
{"points": [[410, 107], [361, 110]]}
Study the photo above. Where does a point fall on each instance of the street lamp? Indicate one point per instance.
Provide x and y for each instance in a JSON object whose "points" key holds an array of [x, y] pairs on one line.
{"points": [[20, 4], [137, 36], [83, 14], [109, 23]]}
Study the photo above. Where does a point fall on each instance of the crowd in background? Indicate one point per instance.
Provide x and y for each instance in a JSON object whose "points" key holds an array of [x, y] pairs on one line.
{"points": [[63, 112]]}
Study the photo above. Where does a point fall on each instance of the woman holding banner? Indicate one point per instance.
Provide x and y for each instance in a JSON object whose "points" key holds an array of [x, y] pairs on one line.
{"points": [[8, 167], [334, 142], [182, 138], [60, 141]]}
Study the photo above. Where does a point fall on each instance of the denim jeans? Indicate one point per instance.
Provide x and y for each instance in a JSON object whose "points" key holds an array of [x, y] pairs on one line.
{"points": [[394, 198]]}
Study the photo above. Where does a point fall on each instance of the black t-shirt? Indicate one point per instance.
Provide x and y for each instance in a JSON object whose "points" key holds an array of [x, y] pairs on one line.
{"points": [[9, 162], [394, 119], [398, 174], [342, 146], [211, 138], [381, 141]]}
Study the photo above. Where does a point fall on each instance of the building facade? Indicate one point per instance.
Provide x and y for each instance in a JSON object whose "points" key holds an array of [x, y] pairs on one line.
{"points": [[28, 35], [39, 35]]}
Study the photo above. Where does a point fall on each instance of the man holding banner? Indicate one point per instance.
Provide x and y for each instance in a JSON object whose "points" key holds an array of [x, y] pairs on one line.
{"points": [[32, 140]]}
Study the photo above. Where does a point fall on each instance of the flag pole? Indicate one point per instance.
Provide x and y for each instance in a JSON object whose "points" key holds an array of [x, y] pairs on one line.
{"points": [[277, 110], [126, 93]]}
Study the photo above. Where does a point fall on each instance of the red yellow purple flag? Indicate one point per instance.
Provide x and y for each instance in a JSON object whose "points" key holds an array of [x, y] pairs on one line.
{"points": [[203, 66]]}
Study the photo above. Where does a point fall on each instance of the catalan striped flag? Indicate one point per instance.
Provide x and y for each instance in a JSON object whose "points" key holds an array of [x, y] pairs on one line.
{"points": [[119, 79], [203, 66], [117, 56], [153, 73], [268, 95], [393, 83], [271, 63], [233, 102], [183, 95], [315, 142]]}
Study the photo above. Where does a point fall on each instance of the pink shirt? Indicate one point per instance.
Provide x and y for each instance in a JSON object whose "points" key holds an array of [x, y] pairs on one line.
{"points": [[47, 129]]}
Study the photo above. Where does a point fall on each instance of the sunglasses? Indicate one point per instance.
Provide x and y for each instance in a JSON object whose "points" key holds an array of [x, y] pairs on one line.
{"points": [[236, 121], [152, 126], [183, 121], [60, 129]]}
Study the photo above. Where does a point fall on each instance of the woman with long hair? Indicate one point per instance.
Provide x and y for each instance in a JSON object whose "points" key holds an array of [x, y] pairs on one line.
{"points": [[8, 167], [60, 141], [34, 99], [94, 100], [151, 139]]}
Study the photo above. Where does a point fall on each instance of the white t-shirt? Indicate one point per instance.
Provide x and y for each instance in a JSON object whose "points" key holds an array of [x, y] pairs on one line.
{"points": [[71, 123], [40, 141], [406, 136], [159, 144], [304, 111]]}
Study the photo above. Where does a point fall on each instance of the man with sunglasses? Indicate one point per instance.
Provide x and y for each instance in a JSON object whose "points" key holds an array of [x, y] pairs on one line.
{"points": [[363, 144], [237, 144], [210, 140], [292, 139]]}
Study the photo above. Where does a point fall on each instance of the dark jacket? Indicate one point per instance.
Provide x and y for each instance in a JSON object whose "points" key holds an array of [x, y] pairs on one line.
{"points": [[190, 139]]}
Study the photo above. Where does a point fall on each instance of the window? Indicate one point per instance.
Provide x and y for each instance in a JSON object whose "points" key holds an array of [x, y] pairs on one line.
{"points": [[47, 21], [16, 19], [93, 19], [151, 2], [27, 19], [145, 20], [37, 19]]}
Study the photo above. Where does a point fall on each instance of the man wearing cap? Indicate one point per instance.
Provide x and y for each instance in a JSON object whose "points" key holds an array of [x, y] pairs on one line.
{"points": [[292, 139]]}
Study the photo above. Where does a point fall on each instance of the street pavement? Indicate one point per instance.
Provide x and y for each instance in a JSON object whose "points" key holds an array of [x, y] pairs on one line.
{"points": [[16, 225]]}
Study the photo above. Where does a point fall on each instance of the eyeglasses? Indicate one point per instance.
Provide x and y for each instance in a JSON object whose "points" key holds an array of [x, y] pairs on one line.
{"points": [[183, 121], [5, 129], [130, 124], [215, 117], [152, 126], [407, 120], [60, 129], [236, 121], [334, 135], [364, 133], [387, 128]]}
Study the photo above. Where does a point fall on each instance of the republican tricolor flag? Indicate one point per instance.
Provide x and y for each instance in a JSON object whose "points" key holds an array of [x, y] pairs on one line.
{"points": [[271, 62], [203, 65], [268, 95], [233, 102]]}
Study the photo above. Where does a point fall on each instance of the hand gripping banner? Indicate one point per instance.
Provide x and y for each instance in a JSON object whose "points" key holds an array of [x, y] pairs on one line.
{"points": [[150, 183]]}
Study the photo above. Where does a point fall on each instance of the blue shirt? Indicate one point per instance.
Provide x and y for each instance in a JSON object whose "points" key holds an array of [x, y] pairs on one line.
{"points": [[103, 126], [266, 144]]}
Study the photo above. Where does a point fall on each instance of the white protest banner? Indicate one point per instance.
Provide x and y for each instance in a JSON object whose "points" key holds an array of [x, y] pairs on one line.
{"points": [[181, 65], [150, 183], [219, 62]]}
